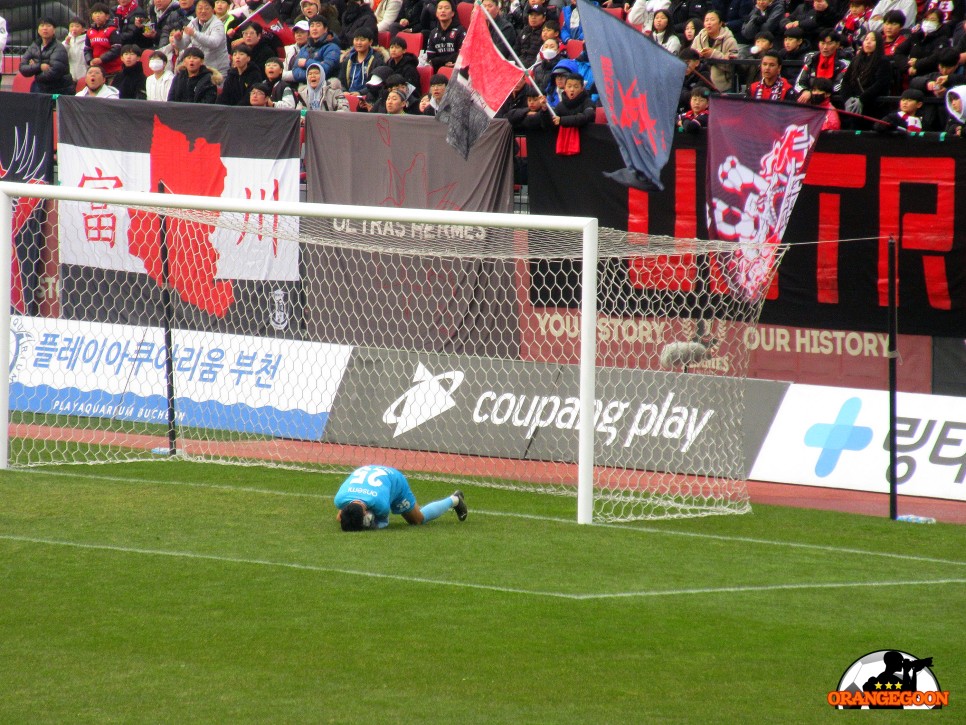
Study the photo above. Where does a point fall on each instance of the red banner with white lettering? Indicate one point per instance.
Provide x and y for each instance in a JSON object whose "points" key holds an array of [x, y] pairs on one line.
{"points": [[857, 191]]}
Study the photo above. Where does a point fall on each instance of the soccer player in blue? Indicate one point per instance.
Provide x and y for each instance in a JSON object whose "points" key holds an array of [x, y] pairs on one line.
{"points": [[367, 497]]}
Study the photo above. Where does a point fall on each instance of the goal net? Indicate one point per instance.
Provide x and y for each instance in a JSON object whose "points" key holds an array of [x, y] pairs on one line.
{"points": [[513, 351]]}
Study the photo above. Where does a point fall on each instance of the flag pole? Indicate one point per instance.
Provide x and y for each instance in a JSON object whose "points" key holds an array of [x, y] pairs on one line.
{"points": [[509, 47]]}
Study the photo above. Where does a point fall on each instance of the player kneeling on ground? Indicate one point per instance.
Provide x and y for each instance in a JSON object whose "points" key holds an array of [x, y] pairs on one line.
{"points": [[367, 497]]}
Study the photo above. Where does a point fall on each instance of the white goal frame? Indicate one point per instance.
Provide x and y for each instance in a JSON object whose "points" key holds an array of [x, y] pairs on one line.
{"points": [[586, 226]]}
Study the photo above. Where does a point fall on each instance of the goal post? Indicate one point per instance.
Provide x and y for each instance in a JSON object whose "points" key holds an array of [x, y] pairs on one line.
{"points": [[518, 351]]}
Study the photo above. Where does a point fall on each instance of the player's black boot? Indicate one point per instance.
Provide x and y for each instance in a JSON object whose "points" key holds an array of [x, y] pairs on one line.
{"points": [[460, 507]]}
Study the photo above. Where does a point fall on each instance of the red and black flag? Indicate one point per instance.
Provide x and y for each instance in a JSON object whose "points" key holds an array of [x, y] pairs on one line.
{"points": [[26, 156], [224, 279], [755, 172], [639, 84]]}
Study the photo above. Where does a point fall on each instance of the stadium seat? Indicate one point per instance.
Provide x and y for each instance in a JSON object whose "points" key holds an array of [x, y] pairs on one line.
{"points": [[574, 48], [81, 82], [145, 57], [384, 38], [616, 12], [599, 115], [353, 100], [446, 71], [464, 11], [414, 41], [425, 73], [21, 83]]}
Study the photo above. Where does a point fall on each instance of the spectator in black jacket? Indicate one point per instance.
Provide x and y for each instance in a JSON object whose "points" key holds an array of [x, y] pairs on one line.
{"points": [[575, 108], [130, 81], [195, 82], [46, 62], [403, 62], [240, 79]]}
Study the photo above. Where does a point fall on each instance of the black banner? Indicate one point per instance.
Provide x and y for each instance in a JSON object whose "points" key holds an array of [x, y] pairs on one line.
{"points": [[26, 156], [858, 187]]}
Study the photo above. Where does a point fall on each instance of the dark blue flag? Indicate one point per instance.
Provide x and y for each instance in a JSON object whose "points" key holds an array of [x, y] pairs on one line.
{"points": [[639, 84]]}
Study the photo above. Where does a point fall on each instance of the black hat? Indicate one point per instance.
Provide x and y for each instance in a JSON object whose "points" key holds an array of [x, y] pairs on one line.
{"points": [[913, 94], [379, 75], [536, 10]]}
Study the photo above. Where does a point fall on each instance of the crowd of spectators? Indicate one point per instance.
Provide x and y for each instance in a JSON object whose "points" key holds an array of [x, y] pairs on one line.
{"points": [[886, 65]]}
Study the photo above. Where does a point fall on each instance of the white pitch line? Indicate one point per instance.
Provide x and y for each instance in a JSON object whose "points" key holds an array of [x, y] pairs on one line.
{"points": [[552, 519], [469, 585]]}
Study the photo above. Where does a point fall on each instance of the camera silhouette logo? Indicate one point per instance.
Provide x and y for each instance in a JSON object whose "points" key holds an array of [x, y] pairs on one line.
{"points": [[889, 680]]}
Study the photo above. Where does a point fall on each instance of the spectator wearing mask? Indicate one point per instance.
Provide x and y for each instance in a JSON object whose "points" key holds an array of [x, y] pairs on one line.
{"points": [[158, 84]]}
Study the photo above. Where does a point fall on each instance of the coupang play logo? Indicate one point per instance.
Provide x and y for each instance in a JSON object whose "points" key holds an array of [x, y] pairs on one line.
{"points": [[889, 680]]}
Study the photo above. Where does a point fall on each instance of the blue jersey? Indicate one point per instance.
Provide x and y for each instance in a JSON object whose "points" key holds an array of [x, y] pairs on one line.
{"points": [[382, 489]]}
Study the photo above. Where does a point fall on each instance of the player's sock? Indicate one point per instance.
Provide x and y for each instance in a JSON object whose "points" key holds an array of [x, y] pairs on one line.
{"points": [[437, 508]]}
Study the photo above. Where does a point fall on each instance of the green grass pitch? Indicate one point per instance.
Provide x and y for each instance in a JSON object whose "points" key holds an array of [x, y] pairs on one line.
{"points": [[176, 592]]}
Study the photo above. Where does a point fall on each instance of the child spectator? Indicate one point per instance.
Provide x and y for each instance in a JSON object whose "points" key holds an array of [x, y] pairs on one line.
{"points": [[242, 76], [195, 82], [908, 9], [792, 54], [575, 108], [357, 64], [907, 117], [936, 85], [570, 28], [955, 110], [662, 34], [103, 47], [855, 22], [820, 95], [558, 82], [130, 81], [696, 118], [280, 93], [445, 41], [534, 116], [429, 104], [403, 62], [158, 84], [95, 84], [689, 32], [896, 41], [75, 43]]}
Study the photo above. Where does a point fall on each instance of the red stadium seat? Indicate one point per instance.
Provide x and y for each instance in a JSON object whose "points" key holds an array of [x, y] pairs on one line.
{"points": [[600, 116], [353, 100], [425, 73], [414, 41], [145, 57], [384, 38], [21, 83], [464, 11], [81, 82], [574, 48], [616, 12], [446, 71]]}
